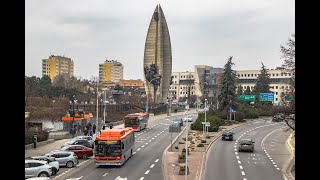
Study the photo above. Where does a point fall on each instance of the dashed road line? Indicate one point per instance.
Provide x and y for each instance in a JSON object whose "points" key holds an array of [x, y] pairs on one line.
{"points": [[156, 160], [152, 166], [147, 172], [142, 178], [242, 172]]}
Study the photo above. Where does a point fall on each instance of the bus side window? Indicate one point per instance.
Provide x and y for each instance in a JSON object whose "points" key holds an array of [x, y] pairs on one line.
{"points": [[122, 145]]}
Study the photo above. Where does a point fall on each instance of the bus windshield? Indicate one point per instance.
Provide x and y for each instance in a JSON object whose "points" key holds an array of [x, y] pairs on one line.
{"points": [[108, 149], [131, 122]]}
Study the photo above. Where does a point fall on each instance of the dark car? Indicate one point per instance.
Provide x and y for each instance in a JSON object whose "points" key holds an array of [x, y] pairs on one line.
{"points": [[246, 145], [83, 142], [227, 135], [81, 151]]}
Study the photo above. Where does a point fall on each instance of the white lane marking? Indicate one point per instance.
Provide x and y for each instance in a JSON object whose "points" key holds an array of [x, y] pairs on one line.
{"points": [[235, 146], [105, 174], [149, 141], [152, 138], [138, 134], [134, 152], [235, 143], [244, 178], [147, 172], [141, 178], [239, 162], [275, 165], [242, 172], [142, 146], [156, 160], [241, 167], [158, 134], [237, 157], [152, 166], [235, 149], [146, 143], [236, 153], [278, 169], [155, 136], [270, 158], [138, 149]]}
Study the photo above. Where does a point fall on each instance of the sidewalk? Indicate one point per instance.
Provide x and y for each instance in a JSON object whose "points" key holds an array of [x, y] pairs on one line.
{"points": [[196, 158]]}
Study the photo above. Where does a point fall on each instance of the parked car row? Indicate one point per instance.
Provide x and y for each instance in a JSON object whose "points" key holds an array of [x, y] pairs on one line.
{"points": [[50, 163]]}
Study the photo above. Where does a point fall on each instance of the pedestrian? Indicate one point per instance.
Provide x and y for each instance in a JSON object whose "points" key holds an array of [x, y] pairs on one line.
{"points": [[85, 131], [111, 126], [94, 128]]}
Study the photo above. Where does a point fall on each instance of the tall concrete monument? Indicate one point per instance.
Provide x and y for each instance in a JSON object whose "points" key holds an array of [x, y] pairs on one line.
{"points": [[158, 51]]}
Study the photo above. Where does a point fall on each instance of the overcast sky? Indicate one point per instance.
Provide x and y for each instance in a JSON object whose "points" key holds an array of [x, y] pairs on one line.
{"points": [[204, 32]]}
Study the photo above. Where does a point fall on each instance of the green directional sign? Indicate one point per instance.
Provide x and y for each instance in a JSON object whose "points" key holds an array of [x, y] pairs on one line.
{"points": [[246, 97], [266, 96]]}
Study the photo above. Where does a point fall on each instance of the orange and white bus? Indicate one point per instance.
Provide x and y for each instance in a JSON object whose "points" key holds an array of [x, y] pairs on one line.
{"points": [[138, 121], [114, 146]]}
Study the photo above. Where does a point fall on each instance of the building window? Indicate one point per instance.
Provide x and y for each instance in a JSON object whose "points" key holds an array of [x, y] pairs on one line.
{"points": [[276, 93], [175, 76], [192, 93], [285, 74], [273, 74], [277, 74], [180, 87], [180, 76], [289, 74], [245, 87], [180, 92], [282, 87], [241, 75], [191, 76], [276, 87], [175, 87], [276, 99], [286, 87], [245, 75], [238, 75], [251, 87], [251, 75]]}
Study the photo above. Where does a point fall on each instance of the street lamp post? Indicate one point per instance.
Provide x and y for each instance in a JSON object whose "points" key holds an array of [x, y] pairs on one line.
{"points": [[73, 101], [148, 82], [205, 114]]}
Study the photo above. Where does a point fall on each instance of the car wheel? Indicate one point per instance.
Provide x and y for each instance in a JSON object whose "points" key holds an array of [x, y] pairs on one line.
{"points": [[84, 156], [54, 171], [43, 174], [69, 164]]}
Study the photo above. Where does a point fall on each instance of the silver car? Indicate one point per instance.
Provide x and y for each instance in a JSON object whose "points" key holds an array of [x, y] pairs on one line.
{"points": [[89, 138], [51, 161], [65, 158], [246, 145], [36, 168]]}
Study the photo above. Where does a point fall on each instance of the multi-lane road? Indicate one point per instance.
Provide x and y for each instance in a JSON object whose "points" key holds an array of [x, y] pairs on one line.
{"points": [[223, 161], [144, 164], [268, 160]]}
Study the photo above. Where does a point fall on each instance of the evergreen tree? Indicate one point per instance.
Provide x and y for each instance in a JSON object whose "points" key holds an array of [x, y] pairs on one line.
{"points": [[263, 83], [227, 97], [240, 90], [247, 91]]}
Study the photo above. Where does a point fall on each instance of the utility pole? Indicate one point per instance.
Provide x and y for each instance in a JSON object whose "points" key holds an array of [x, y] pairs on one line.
{"points": [[104, 107], [97, 114], [186, 168], [73, 129]]}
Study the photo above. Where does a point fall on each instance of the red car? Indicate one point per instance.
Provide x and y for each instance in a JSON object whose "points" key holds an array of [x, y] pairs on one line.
{"points": [[81, 151]]}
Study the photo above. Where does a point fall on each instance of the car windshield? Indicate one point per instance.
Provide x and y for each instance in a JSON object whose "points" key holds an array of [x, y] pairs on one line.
{"points": [[227, 133], [245, 142], [64, 148], [71, 141]]}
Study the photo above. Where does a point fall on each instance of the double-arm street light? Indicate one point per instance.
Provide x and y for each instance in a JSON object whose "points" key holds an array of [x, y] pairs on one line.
{"points": [[73, 125], [148, 82]]}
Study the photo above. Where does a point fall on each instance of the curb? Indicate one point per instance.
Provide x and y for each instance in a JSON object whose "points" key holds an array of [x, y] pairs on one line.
{"points": [[205, 152], [287, 171], [164, 155]]}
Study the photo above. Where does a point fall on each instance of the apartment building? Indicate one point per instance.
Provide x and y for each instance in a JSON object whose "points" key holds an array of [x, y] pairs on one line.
{"points": [[182, 82], [110, 71], [57, 65]]}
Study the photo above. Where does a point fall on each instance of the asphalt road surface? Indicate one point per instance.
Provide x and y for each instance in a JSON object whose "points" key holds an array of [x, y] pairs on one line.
{"points": [[224, 162], [144, 164]]}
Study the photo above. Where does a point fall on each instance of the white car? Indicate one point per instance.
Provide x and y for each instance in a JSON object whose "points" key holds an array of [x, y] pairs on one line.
{"points": [[51, 161], [36, 168], [188, 118]]}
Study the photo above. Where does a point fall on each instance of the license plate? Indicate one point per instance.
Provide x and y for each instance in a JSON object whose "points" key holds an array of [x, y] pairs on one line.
{"points": [[227, 137]]}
